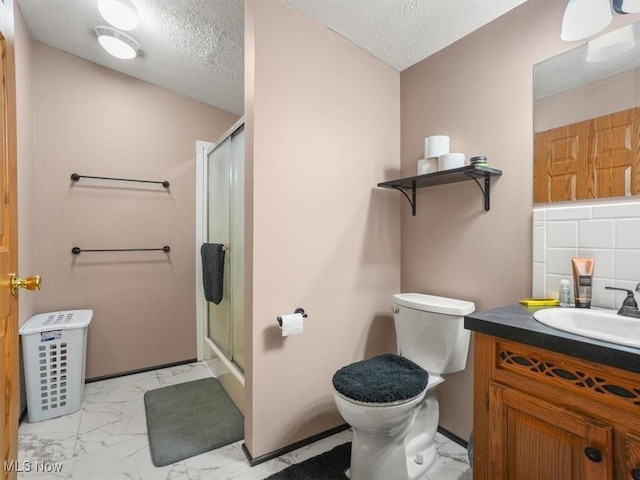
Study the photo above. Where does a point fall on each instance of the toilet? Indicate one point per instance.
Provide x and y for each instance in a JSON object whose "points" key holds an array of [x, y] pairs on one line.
{"points": [[390, 400]]}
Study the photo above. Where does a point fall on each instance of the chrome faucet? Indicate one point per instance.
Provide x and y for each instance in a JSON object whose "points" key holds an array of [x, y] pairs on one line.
{"points": [[629, 306]]}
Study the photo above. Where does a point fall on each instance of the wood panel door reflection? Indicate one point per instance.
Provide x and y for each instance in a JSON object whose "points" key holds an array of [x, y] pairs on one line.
{"points": [[616, 154], [596, 158]]}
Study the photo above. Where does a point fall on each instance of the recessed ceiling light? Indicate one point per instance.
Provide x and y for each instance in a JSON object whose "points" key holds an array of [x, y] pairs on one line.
{"points": [[117, 43], [121, 14]]}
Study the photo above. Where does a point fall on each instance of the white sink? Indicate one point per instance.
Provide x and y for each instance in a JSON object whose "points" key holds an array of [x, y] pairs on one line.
{"points": [[604, 325]]}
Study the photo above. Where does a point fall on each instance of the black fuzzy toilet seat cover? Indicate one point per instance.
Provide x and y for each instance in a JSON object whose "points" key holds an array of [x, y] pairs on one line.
{"points": [[383, 379]]}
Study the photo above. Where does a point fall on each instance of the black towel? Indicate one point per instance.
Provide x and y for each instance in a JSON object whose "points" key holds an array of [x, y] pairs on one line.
{"points": [[212, 271]]}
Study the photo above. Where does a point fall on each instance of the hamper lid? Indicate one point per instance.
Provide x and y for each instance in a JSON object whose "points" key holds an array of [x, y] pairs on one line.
{"points": [[63, 320]]}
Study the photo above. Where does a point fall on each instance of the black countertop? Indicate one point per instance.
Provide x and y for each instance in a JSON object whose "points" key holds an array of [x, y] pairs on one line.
{"points": [[516, 323]]}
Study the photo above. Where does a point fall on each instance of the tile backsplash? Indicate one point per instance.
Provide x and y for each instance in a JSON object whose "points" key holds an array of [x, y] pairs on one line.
{"points": [[610, 233]]}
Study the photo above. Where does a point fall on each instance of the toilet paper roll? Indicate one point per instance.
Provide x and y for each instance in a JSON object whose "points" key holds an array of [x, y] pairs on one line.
{"points": [[436, 145], [291, 324], [451, 160], [427, 165]]}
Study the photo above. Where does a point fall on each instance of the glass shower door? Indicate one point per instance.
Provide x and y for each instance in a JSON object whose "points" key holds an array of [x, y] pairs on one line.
{"points": [[219, 320], [225, 209], [237, 241]]}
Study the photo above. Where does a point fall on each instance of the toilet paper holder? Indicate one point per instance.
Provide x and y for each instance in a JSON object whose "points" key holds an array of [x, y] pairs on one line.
{"points": [[297, 310]]}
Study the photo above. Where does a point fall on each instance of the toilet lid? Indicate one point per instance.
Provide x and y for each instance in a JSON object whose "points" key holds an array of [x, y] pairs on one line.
{"points": [[383, 379]]}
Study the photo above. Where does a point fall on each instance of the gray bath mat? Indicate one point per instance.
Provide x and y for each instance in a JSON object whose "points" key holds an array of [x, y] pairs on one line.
{"points": [[330, 465], [190, 418]]}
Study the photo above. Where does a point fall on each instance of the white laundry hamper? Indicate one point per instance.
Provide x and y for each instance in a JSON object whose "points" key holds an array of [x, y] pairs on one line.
{"points": [[54, 348]]}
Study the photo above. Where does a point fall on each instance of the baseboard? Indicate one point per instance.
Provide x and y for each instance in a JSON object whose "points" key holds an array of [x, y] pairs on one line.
{"points": [[290, 448], [453, 437], [139, 370]]}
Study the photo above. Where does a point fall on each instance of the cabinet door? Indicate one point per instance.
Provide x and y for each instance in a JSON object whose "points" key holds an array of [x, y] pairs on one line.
{"points": [[538, 440], [632, 455]]}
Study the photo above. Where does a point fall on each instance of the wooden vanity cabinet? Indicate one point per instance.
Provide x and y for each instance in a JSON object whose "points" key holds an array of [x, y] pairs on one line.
{"points": [[539, 440], [541, 415]]}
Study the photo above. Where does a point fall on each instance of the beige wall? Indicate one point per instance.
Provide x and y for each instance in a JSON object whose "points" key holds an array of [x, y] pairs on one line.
{"points": [[613, 94], [94, 121], [478, 91], [24, 118], [325, 120], [249, 81], [25, 132]]}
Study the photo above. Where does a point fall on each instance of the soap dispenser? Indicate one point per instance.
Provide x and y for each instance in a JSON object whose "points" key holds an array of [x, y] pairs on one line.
{"points": [[565, 293]]}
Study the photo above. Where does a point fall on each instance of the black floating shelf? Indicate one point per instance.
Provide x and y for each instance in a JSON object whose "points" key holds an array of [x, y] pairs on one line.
{"points": [[443, 177]]}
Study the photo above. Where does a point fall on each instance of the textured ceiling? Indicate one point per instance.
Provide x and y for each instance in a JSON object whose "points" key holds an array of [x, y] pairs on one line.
{"points": [[404, 32], [193, 47], [571, 70], [196, 47]]}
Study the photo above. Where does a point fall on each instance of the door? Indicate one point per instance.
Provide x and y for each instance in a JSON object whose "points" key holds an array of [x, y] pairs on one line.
{"points": [[596, 158], [539, 440], [616, 147], [560, 166], [225, 225], [218, 231], [632, 457], [9, 376]]}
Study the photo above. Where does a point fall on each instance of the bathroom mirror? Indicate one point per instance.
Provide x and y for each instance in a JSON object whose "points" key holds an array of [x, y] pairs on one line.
{"points": [[587, 120]]}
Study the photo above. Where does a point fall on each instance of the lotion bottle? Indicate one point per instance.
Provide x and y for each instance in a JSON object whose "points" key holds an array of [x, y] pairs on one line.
{"points": [[582, 280]]}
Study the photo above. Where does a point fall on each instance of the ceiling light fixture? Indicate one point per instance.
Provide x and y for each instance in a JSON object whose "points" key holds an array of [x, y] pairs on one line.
{"points": [[626, 6], [118, 43], [611, 45], [585, 18], [121, 14]]}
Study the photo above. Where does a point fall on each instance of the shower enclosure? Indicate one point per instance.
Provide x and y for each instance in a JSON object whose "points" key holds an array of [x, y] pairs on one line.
{"points": [[220, 209]]}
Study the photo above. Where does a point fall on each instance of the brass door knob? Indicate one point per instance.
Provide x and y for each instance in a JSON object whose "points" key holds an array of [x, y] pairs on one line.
{"points": [[30, 283]]}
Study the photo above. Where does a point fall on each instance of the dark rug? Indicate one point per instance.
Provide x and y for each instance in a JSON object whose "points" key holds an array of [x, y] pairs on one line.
{"points": [[190, 418], [328, 466]]}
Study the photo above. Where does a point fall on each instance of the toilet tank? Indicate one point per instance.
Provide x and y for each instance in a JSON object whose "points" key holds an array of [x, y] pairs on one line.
{"points": [[430, 331]]}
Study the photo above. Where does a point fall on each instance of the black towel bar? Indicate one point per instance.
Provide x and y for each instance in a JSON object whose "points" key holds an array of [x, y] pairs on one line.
{"points": [[78, 250], [75, 177]]}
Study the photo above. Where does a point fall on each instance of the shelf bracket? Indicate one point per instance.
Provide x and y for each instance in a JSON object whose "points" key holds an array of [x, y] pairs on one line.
{"points": [[454, 175], [412, 200], [486, 191]]}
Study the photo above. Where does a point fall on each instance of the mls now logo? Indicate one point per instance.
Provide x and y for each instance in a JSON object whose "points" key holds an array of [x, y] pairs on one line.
{"points": [[29, 466]]}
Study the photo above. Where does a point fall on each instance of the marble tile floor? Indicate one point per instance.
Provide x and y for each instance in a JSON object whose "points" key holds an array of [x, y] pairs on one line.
{"points": [[107, 439]]}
